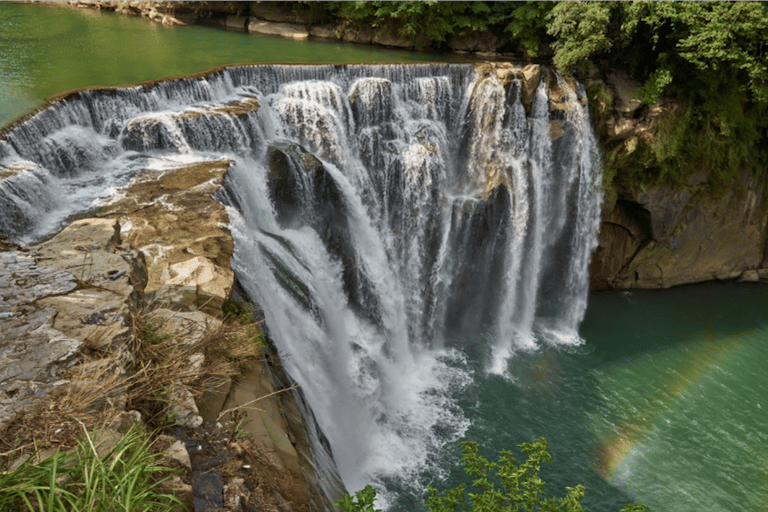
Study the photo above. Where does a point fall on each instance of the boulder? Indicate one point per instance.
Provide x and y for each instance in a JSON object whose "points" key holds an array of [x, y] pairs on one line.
{"points": [[625, 90], [289, 30], [749, 276], [390, 38], [154, 198], [323, 31], [485, 41], [201, 273], [531, 75], [361, 34], [274, 11]]}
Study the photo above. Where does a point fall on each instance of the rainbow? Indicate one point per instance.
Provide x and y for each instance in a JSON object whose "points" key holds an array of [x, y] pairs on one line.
{"points": [[617, 446]]}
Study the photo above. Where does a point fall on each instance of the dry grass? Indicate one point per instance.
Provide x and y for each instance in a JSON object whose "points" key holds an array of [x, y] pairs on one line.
{"points": [[89, 400], [142, 376], [164, 364]]}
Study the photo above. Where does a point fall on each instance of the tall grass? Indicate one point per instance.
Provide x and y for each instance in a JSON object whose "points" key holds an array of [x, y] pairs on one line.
{"points": [[126, 478]]}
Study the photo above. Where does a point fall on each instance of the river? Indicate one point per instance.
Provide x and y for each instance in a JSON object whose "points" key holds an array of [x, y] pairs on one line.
{"points": [[661, 404]]}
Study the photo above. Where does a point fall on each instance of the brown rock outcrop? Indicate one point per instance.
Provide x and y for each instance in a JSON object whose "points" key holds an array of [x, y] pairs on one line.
{"points": [[665, 237], [171, 216], [77, 292], [668, 235]]}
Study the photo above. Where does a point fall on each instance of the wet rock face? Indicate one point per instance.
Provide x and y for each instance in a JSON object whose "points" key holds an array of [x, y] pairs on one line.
{"points": [[304, 193], [479, 227], [23, 185], [296, 179]]}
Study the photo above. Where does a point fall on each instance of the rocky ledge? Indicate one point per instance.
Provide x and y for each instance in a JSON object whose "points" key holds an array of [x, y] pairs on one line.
{"points": [[78, 311]]}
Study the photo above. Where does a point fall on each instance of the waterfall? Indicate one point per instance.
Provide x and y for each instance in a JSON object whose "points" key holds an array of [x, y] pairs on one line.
{"points": [[393, 222]]}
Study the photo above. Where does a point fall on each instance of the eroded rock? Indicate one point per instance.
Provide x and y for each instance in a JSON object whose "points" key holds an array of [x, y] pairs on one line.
{"points": [[665, 237], [64, 296], [288, 30], [189, 253]]}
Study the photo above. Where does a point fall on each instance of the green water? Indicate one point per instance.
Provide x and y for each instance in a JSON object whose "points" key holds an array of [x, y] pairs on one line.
{"points": [[47, 49], [666, 402]]}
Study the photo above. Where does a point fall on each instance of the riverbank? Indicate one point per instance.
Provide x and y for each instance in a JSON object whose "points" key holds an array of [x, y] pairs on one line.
{"points": [[279, 19]]}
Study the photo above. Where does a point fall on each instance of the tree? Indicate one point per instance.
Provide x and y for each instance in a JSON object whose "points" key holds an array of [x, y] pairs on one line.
{"points": [[711, 57], [501, 486]]}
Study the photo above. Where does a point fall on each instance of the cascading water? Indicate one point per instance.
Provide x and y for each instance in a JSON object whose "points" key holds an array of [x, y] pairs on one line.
{"points": [[391, 221]]}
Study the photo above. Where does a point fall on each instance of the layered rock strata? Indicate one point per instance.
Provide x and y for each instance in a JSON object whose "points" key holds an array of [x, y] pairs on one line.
{"points": [[70, 299]]}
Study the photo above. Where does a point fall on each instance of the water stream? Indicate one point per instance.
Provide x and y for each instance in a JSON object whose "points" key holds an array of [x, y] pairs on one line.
{"points": [[382, 215]]}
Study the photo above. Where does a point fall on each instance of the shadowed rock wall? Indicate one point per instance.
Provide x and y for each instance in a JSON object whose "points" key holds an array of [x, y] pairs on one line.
{"points": [[664, 235]]}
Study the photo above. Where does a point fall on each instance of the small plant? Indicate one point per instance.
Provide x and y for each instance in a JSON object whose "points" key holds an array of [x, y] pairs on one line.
{"points": [[241, 313], [242, 421], [151, 333], [362, 502], [126, 477]]}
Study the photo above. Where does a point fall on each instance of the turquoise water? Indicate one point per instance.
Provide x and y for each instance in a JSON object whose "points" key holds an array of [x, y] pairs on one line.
{"points": [[665, 402], [47, 49]]}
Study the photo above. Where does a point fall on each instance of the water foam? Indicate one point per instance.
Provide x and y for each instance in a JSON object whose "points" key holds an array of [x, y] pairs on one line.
{"points": [[425, 218]]}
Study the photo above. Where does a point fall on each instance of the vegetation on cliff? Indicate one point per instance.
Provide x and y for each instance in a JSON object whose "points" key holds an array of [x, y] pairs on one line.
{"points": [[504, 485], [102, 474], [708, 57]]}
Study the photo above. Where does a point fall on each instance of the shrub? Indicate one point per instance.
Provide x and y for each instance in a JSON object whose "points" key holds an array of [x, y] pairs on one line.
{"points": [[504, 485]]}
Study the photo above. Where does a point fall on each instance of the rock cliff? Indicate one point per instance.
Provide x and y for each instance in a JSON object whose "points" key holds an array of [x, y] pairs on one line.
{"points": [[667, 235], [153, 263]]}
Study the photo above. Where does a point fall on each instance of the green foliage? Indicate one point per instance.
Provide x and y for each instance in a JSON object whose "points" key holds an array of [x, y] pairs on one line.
{"points": [[580, 30], [524, 22], [657, 82], [431, 21], [501, 486], [152, 334], [362, 502], [239, 312], [423, 21], [127, 477], [520, 487], [709, 56], [667, 40]]}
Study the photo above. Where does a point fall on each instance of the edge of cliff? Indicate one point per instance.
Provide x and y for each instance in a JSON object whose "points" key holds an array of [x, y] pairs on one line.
{"points": [[134, 303]]}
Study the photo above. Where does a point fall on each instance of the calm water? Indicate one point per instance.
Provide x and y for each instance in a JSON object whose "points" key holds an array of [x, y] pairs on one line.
{"points": [[47, 49], [664, 404]]}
